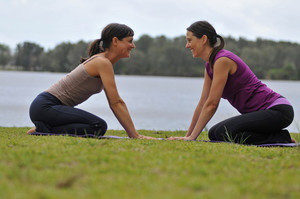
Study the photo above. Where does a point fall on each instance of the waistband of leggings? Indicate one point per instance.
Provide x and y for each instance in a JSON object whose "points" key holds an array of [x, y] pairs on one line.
{"points": [[279, 101], [50, 97]]}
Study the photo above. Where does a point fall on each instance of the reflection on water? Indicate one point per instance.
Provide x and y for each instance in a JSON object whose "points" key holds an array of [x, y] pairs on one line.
{"points": [[155, 103]]}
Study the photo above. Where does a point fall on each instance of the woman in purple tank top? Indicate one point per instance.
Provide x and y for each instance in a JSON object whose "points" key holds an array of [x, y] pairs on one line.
{"points": [[264, 113]]}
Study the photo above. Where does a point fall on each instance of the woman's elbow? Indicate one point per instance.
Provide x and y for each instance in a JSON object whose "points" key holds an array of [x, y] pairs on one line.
{"points": [[213, 106], [115, 104]]}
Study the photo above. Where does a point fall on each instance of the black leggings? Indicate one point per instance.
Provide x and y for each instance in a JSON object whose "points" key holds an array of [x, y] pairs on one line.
{"points": [[50, 116], [260, 127]]}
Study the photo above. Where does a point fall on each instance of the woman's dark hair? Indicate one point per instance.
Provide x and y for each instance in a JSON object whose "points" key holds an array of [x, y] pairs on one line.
{"points": [[108, 33], [201, 28]]}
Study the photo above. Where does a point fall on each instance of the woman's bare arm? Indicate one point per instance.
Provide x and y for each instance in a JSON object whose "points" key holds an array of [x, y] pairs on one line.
{"points": [[104, 69], [222, 68], [204, 96]]}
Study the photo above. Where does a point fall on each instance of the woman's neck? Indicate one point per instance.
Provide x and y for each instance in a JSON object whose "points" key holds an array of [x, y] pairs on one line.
{"points": [[112, 57], [206, 54]]}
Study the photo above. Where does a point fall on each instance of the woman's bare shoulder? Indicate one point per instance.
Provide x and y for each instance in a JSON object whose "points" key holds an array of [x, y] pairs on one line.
{"points": [[97, 64]]}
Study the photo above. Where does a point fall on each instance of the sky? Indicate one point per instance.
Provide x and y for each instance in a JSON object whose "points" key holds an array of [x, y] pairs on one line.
{"points": [[51, 22]]}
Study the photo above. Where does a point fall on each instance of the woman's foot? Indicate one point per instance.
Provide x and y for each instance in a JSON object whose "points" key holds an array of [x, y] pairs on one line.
{"points": [[32, 130], [293, 140]]}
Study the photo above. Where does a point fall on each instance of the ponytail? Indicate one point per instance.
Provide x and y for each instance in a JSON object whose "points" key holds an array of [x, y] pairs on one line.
{"points": [[95, 48], [217, 47]]}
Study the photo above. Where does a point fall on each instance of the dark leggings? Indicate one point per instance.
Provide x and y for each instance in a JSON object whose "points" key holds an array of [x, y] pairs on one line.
{"points": [[50, 116], [260, 127]]}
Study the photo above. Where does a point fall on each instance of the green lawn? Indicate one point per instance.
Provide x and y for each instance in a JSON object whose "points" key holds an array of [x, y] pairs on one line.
{"points": [[67, 167]]}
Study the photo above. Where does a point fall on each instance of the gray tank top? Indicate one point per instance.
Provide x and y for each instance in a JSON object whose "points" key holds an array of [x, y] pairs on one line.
{"points": [[76, 87]]}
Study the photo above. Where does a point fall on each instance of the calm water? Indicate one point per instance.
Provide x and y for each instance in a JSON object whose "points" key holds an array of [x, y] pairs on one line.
{"points": [[155, 103]]}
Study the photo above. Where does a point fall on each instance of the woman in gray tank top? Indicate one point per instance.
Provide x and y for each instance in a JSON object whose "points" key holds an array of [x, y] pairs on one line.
{"points": [[54, 112]]}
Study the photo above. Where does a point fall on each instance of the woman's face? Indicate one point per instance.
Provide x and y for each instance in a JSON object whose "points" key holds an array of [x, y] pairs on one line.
{"points": [[194, 44], [125, 46]]}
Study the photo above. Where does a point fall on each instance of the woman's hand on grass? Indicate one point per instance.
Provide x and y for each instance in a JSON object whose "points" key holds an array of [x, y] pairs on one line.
{"points": [[146, 137], [180, 138]]}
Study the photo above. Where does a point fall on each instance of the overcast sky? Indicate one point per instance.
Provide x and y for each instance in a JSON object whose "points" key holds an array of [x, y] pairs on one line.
{"points": [[50, 22]]}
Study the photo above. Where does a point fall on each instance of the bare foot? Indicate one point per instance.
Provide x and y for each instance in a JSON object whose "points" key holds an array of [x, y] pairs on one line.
{"points": [[32, 130], [293, 140]]}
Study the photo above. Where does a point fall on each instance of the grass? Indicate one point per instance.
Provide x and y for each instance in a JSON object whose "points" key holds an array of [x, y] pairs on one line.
{"points": [[67, 167]]}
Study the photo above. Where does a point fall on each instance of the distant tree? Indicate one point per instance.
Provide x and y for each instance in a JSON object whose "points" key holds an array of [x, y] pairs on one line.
{"points": [[287, 72], [28, 55], [5, 54], [59, 56], [254, 59], [78, 50], [64, 57], [165, 56], [144, 42], [232, 45], [243, 43]]}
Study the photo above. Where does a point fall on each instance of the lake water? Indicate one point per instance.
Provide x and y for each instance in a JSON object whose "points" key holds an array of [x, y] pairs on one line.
{"points": [[155, 103]]}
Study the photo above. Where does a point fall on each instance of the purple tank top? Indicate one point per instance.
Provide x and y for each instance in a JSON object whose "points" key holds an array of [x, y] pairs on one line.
{"points": [[243, 90]]}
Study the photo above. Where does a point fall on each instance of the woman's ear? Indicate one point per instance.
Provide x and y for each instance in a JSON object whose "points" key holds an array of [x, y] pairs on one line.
{"points": [[115, 41], [204, 39]]}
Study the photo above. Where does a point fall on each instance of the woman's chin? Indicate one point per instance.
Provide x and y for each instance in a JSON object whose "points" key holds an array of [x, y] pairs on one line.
{"points": [[195, 55], [126, 56]]}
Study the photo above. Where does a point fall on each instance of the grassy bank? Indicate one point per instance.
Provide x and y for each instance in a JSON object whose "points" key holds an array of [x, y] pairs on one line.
{"points": [[66, 167]]}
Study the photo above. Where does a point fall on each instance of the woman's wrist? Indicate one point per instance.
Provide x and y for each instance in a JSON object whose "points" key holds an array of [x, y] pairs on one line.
{"points": [[134, 135], [188, 134], [191, 137]]}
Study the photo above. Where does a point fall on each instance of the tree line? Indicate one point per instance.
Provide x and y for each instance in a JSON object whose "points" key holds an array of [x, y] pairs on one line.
{"points": [[159, 56]]}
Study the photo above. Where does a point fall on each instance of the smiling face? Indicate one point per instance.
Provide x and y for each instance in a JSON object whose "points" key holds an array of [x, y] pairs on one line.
{"points": [[125, 46], [195, 44]]}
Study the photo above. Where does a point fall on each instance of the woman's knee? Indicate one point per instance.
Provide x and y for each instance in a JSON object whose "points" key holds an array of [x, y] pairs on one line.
{"points": [[100, 127], [217, 132], [212, 133]]}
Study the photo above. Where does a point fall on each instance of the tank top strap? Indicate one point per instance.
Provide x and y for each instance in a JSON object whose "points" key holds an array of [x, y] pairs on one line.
{"points": [[90, 59]]}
